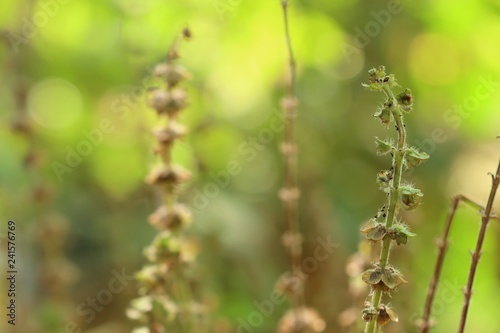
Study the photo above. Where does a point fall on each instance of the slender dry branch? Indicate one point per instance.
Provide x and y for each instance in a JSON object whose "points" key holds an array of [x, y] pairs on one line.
{"points": [[442, 244], [299, 318], [290, 193], [485, 220]]}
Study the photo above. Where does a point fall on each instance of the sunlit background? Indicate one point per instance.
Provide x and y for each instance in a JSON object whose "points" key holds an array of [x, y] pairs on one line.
{"points": [[79, 73]]}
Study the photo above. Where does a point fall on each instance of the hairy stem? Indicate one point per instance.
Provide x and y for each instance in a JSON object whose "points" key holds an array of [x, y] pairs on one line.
{"points": [[485, 219], [397, 164]]}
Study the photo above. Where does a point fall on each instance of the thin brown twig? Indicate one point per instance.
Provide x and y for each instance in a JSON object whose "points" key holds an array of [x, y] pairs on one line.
{"points": [[290, 192], [442, 244], [485, 219]]}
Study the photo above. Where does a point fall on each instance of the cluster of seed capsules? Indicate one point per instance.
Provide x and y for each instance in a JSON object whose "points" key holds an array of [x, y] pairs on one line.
{"points": [[165, 296], [385, 228]]}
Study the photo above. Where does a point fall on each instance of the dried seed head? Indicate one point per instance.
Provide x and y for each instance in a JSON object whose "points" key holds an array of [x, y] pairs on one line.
{"points": [[386, 314], [289, 194], [167, 175], [292, 241], [166, 135], [378, 78], [166, 248], [289, 283], [173, 74], [168, 102], [410, 197], [302, 320], [384, 146], [369, 312], [405, 100], [374, 231], [384, 178], [384, 114], [170, 218], [392, 278], [400, 233], [289, 105], [140, 307], [414, 157], [287, 149], [386, 279], [150, 277]]}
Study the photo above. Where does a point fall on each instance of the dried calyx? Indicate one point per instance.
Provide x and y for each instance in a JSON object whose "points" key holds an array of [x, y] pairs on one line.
{"points": [[385, 227], [164, 286]]}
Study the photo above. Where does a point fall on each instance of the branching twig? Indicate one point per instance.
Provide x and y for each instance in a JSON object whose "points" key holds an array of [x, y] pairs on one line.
{"points": [[485, 219], [442, 244]]}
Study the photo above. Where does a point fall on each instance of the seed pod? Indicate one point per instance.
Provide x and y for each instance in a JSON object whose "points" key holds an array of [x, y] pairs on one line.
{"points": [[392, 278], [413, 157], [410, 197], [166, 248], [374, 231], [169, 102], [170, 218], [384, 146], [405, 100], [167, 175], [372, 276], [384, 114], [173, 74], [386, 314]]}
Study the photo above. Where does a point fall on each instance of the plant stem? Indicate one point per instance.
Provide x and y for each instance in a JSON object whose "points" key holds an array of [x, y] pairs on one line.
{"points": [[397, 164], [291, 58], [289, 109], [442, 245], [189, 318], [485, 219]]}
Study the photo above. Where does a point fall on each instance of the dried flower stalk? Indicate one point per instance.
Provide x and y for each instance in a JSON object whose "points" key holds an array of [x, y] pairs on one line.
{"points": [[300, 318], [384, 227], [167, 301]]}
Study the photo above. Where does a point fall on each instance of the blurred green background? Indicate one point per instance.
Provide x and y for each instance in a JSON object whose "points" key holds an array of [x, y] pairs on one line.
{"points": [[79, 62]]}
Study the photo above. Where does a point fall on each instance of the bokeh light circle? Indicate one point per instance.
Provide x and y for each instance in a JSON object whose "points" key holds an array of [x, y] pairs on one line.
{"points": [[55, 103], [434, 59]]}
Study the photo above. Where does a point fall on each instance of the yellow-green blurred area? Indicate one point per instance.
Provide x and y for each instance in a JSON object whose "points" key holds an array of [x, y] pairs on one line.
{"points": [[85, 69]]}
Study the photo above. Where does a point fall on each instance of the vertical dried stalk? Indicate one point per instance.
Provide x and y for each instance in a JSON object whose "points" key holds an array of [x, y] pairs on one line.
{"points": [[425, 323], [167, 301], [485, 220], [300, 318], [290, 193], [385, 227]]}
